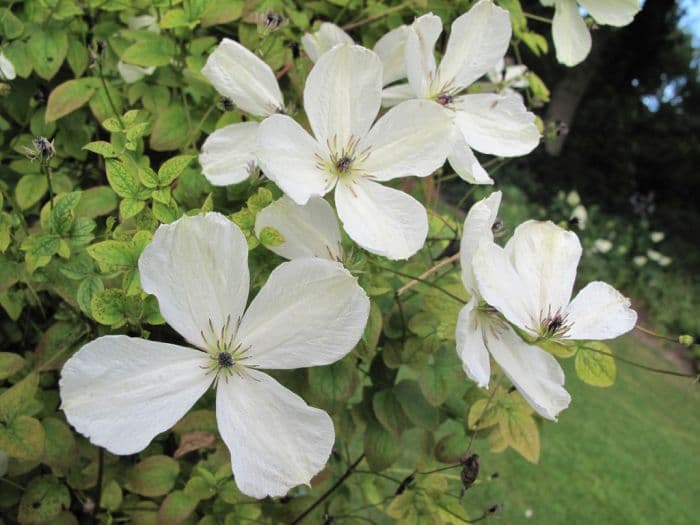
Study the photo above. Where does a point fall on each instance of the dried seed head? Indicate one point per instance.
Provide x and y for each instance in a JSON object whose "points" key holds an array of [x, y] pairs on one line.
{"points": [[470, 470]]}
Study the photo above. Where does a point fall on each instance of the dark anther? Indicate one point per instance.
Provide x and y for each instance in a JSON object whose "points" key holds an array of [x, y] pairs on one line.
{"points": [[225, 360], [405, 484], [444, 99], [554, 324], [226, 103], [470, 470], [343, 164], [497, 227], [273, 20]]}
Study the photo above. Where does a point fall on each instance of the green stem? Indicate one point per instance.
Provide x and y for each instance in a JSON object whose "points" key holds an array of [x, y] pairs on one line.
{"points": [[109, 97], [537, 17], [353, 25], [642, 366]]}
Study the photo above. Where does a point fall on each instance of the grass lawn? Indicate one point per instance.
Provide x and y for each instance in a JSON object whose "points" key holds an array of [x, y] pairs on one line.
{"points": [[625, 454]]}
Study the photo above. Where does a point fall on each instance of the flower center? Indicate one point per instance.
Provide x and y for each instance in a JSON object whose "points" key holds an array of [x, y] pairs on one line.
{"points": [[343, 164], [344, 160], [225, 360], [554, 325], [227, 354], [444, 99]]}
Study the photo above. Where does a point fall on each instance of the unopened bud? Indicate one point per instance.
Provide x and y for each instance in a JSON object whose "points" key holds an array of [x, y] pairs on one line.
{"points": [[686, 340], [470, 470]]}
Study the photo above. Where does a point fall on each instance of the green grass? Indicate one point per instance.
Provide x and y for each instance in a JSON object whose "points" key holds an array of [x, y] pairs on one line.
{"points": [[625, 454]]}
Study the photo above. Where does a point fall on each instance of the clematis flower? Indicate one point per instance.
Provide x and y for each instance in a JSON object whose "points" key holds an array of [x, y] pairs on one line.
{"points": [[309, 230], [122, 391], [530, 282], [7, 70], [228, 154], [347, 153], [493, 123], [389, 48], [572, 39], [481, 331], [508, 77]]}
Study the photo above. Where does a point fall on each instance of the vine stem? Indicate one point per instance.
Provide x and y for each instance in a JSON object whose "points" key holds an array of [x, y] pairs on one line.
{"points": [[642, 366], [353, 25], [428, 273], [109, 97], [419, 279], [330, 491], [100, 472], [537, 17], [654, 334]]}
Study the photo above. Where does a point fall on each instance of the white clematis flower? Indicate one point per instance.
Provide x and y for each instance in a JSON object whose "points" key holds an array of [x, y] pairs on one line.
{"points": [[481, 331], [492, 123], [389, 48], [572, 39], [509, 77], [530, 282], [309, 230], [7, 70], [228, 155], [121, 391], [342, 98], [132, 73]]}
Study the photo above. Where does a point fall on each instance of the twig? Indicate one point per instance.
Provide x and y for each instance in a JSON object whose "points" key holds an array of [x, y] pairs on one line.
{"points": [[419, 279], [428, 273], [330, 491]]}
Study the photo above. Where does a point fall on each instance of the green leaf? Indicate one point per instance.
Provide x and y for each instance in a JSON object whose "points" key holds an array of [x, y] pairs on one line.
{"points": [[172, 168], [48, 50], [123, 182], [176, 508], [221, 12], [373, 330], [165, 213], [415, 406], [86, 291], [270, 237], [171, 129], [154, 476], [43, 500], [520, 432], [30, 189], [10, 364], [69, 96], [112, 496], [95, 202], [22, 438], [130, 207], [11, 26], [115, 255], [59, 450], [101, 147], [389, 413], [380, 446], [110, 307], [174, 18], [77, 56], [61, 216], [15, 399], [434, 381], [331, 386], [595, 364], [152, 50]]}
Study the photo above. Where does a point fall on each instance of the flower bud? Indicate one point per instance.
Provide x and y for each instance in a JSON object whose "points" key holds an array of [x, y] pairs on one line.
{"points": [[686, 340]]}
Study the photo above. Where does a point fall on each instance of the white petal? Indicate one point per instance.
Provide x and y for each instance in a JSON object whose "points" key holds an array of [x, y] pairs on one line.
{"points": [[7, 70], [500, 285], [465, 163], [471, 347], [394, 95], [290, 157], [477, 227], [197, 267], [310, 312], [328, 36], [599, 312], [382, 220], [572, 39], [391, 49], [131, 73], [276, 440], [411, 139], [478, 40], [420, 53], [612, 12], [536, 374], [498, 124], [343, 94], [240, 75], [228, 154], [121, 392], [545, 256], [308, 231]]}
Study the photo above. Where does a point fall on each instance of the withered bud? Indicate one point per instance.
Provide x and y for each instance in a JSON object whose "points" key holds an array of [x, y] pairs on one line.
{"points": [[496, 508], [470, 470]]}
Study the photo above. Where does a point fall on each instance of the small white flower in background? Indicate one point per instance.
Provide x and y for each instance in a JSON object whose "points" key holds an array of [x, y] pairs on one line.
{"points": [[131, 73], [350, 154], [390, 48], [481, 331], [228, 155], [509, 76], [602, 245], [664, 261], [657, 237], [531, 280], [573, 198], [654, 255], [492, 123], [309, 230], [529, 513], [581, 216], [7, 70], [122, 391], [572, 39], [148, 22], [639, 260]]}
